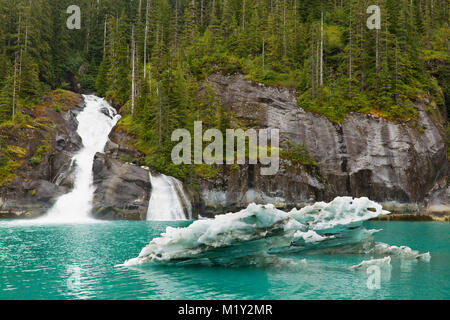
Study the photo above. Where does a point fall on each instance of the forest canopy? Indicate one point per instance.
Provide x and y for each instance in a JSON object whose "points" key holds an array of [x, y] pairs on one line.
{"points": [[152, 58]]}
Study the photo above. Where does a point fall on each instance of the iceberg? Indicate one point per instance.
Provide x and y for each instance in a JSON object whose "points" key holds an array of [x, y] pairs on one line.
{"points": [[258, 235], [234, 238]]}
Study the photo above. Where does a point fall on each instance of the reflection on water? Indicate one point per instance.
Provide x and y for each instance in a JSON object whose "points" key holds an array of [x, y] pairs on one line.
{"points": [[81, 262]]}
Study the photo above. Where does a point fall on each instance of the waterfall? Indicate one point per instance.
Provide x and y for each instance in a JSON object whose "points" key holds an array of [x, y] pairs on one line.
{"points": [[168, 200], [95, 123]]}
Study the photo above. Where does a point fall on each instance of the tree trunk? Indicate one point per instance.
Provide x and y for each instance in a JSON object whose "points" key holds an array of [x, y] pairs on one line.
{"points": [[14, 88], [132, 74], [350, 58], [321, 52], [243, 14], [317, 63], [160, 116], [377, 54], [363, 67], [396, 70], [201, 12], [263, 51], [104, 38], [313, 63], [145, 38], [284, 30]]}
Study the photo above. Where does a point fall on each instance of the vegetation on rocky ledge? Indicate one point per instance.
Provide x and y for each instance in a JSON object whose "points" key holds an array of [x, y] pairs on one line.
{"points": [[27, 139]]}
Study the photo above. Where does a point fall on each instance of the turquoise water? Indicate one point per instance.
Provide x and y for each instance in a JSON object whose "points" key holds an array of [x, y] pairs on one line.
{"points": [[81, 262]]}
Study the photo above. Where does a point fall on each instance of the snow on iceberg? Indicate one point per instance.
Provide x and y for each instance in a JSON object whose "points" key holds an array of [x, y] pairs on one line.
{"points": [[257, 233], [335, 224], [339, 214]]}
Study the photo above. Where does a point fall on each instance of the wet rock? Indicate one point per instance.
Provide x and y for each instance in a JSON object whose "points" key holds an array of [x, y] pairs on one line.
{"points": [[122, 190], [34, 199], [72, 140], [63, 169], [108, 113], [437, 201]]}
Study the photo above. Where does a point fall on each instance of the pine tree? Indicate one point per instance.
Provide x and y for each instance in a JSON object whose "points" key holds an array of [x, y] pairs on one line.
{"points": [[29, 78], [119, 74], [6, 99], [191, 27]]}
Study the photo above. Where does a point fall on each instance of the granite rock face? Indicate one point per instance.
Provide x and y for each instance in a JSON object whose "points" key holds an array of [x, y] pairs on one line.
{"points": [[363, 156]]}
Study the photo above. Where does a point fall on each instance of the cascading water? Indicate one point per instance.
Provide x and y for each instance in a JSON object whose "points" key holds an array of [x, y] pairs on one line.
{"points": [[95, 123], [168, 200]]}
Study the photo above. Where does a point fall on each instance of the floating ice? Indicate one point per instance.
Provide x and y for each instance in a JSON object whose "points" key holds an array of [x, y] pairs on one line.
{"points": [[259, 232], [228, 239], [334, 224], [256, 235], [402, 252], [363, 266]]}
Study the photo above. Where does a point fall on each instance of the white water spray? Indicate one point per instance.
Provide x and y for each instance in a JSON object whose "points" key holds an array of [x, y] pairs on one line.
{"points": [[168, 200], [95, 123]]}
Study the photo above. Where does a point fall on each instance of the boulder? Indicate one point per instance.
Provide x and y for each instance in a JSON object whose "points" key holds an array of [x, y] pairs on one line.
{"points": [[122, 189]]}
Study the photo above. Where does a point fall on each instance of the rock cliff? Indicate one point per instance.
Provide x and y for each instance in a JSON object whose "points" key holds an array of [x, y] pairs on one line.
{"points": [[402, 165], [395, 163]]}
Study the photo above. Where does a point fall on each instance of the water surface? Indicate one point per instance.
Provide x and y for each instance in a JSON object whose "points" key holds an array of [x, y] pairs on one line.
{"points": [[80, 261]]}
